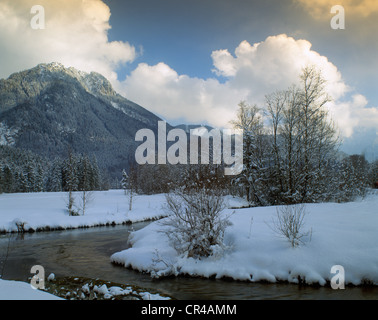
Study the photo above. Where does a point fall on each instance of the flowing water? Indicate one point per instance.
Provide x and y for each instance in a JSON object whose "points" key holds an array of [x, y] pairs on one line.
{"points": [[86, 253]]}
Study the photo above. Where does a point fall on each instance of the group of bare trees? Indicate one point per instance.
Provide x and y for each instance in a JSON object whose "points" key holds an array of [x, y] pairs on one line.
{"points": [[291, 147]]}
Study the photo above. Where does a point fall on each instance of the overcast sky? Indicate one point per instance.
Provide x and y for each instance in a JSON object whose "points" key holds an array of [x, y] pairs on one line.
{"points": [[194, 61]]}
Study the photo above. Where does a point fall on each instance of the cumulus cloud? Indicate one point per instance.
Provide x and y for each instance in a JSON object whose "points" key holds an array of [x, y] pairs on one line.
{"points": [[75, 35], [348, 114], [251, 72], [354, 114], [274, 64], [162, 90]]}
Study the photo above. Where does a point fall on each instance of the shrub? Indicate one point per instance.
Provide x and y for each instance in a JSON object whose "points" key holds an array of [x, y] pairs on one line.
{"points": [[196, 223], [289, 223]]}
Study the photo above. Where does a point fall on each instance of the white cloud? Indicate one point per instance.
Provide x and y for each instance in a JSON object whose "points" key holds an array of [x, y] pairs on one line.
{"points": [[75, 35], [354, 114], [251, 73], [162, 90], [346, 114], [274, 64]]}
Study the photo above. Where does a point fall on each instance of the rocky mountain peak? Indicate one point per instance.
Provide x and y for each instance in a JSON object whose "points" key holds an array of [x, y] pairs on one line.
{"points": [[25, 85], [93, 82]]}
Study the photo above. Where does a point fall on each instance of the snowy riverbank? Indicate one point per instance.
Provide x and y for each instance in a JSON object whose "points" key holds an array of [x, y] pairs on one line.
{"points": [[75, 289], [47, 211], [342, 234]]}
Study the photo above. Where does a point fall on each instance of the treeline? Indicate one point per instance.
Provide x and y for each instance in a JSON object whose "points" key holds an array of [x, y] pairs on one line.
{"points": [[24, 171], [155, 178], [349, 176], [21, 171]]}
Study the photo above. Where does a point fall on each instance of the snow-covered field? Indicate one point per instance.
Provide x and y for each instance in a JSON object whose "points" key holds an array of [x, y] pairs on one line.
{"points": [[39, 211], [342, 234]]}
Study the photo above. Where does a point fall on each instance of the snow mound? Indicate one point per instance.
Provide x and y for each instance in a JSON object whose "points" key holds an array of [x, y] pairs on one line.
{"points": [[342, 234]]}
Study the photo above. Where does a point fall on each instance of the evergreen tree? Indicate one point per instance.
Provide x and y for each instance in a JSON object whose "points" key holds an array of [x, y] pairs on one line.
{"points": [[88, 173], [373, 174], [30, 178], [353, 178], [1, 180], [39, 179], [69, 173], [84, 173], [23, 182], [95, 176], [55, 179]]}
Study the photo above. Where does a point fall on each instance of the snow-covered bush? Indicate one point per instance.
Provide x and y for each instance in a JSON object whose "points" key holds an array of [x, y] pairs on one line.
{"points": [[289, 223], [196, 224]]}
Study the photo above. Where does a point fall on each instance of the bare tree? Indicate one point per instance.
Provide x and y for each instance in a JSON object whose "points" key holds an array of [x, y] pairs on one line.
{"points": [[129, 184], [316, 131], [86, 197], [196, 224], [289, 223], [275, 109], [71, 181], [250, 120]]}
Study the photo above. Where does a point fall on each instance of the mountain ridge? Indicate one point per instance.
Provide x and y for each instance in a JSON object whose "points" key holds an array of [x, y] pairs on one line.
{"points": [[50, 108]]}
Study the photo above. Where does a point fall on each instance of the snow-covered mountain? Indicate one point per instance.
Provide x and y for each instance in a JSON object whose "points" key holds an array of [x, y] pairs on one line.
{"points": [[50, 108]]}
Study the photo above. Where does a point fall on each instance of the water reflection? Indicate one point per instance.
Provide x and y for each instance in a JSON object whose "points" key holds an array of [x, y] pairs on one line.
{"points": [[86, 253]]}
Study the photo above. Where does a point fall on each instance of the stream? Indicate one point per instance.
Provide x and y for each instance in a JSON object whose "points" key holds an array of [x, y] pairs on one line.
{"points": [[86, 253]]}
